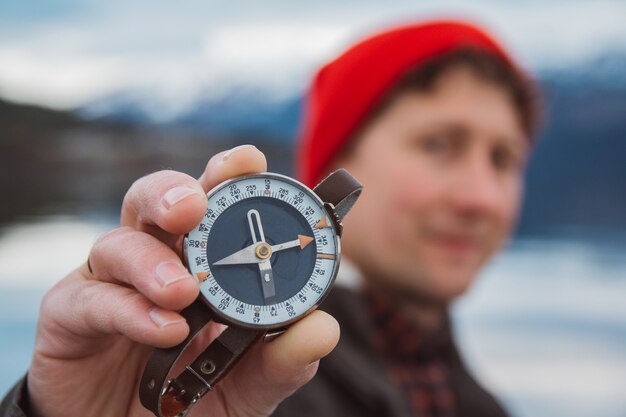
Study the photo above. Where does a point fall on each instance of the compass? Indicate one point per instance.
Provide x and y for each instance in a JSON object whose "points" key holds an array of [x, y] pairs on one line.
{"points": [[266, 253]]}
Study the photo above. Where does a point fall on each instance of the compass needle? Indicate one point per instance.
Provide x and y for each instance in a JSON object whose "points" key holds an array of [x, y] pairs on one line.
{"points": [[302, 241], [263, 252], [244, 256]]}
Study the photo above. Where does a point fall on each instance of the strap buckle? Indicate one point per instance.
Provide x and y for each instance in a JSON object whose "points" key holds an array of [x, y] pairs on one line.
{"points": [[172, 401]]}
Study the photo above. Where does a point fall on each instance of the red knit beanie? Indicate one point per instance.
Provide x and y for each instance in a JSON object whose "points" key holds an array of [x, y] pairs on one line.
{"points": [[345, 90]]}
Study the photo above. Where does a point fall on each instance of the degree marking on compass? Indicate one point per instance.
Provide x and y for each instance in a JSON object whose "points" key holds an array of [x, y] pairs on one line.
{"points": [[322, 223], [202, 275]]}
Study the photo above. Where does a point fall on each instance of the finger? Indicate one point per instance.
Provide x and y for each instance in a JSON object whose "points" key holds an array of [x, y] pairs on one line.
{"points": [[167, 204], [241, 160], [83, 311], [273, 371], [169, 201], [126, 256]]}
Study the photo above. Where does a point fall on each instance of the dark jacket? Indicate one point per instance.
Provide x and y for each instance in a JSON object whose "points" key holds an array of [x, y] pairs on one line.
{"points": [[14, 404], [351, 381]]}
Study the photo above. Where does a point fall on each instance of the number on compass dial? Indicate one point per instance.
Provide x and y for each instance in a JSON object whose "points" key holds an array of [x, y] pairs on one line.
{"points": [[265, 252]]}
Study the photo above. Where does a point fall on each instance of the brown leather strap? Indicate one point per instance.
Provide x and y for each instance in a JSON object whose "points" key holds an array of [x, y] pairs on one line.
{"points": [[153, 381], [212, 364], [175, 397], [341, 190]]}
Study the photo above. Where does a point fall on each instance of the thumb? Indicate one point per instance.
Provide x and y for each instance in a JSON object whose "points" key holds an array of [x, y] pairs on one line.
{"points": [[272, 371]]}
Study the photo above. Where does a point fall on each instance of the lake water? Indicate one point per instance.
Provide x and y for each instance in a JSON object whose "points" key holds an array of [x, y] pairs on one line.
{"points": [[544, 327]]}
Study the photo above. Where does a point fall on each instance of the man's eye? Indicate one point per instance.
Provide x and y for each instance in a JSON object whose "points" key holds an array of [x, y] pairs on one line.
{"points": [[435, 145], [503, 159]]}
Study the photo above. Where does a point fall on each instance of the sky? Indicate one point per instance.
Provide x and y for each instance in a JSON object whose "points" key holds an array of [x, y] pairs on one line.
{"points": [[67, 53]]}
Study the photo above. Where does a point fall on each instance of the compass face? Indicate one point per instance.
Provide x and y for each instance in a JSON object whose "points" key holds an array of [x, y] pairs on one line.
{"points": [[265, 252]]}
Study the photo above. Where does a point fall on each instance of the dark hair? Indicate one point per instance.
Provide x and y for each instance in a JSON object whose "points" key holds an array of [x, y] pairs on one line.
{"points": [[524, 94]]}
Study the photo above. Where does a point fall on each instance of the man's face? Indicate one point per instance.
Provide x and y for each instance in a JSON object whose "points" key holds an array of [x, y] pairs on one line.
{"points": [[443, 181]]}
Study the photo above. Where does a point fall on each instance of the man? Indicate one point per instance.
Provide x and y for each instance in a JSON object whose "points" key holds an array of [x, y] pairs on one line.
{"points": [[440, 150], [435, 120]]}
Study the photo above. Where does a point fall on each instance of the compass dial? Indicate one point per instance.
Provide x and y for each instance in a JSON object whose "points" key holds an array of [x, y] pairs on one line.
{"points": [[265, 252]]}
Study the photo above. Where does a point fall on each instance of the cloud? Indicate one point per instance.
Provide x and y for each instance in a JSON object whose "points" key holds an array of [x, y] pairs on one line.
{"points": [[174, 53]]}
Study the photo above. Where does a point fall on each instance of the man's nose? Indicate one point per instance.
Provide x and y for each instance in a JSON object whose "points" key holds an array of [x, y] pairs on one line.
{"points": [[478, 188]]}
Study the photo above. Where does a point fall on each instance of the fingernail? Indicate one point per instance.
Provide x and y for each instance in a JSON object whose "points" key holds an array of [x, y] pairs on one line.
{"points": [[164, 318], [177, 194], [170, 272], [235, 150]]}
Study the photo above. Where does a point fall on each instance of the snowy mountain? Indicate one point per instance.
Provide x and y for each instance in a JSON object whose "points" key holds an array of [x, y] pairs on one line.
{"points": [[576, 182]]}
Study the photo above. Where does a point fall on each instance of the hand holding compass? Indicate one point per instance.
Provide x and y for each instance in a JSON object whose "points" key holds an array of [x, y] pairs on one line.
{"points": [[95, 325], [249, 279]]}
